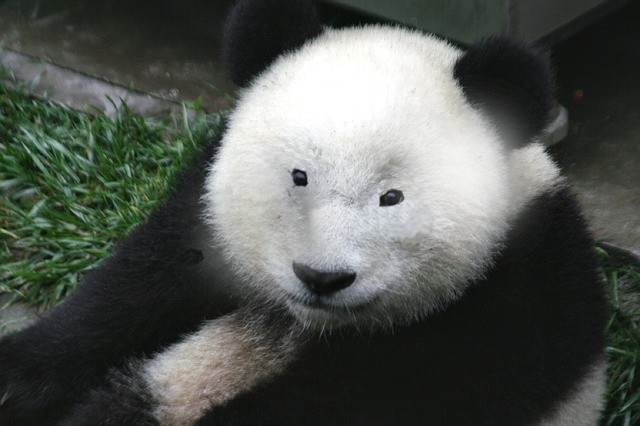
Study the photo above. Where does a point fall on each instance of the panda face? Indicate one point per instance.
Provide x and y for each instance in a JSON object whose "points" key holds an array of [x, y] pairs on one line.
{"points": [[357, 185]]}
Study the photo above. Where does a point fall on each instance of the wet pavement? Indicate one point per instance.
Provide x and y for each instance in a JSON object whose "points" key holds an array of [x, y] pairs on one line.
{"points": [[155, 55]]}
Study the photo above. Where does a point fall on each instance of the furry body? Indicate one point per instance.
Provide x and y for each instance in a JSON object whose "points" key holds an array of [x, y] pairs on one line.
{"points": [[490, 353], [472, 294]]}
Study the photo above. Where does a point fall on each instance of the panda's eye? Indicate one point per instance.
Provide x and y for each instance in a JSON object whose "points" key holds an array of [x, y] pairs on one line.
{"points": [[299, 177], [391, 198]]}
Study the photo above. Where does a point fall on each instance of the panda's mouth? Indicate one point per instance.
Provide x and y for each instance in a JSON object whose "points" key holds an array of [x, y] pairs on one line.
{"points": [[318, 303]]}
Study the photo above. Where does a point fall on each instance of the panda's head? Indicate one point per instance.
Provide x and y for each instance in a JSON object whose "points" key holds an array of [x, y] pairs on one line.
{"points": [[369, 175]]}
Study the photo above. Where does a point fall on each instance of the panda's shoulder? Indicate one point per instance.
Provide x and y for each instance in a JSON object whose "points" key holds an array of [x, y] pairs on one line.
{"points": [[552, 225]]}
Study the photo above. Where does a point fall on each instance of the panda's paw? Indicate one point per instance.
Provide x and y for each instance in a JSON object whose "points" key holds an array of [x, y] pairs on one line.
{"points": [[123, 399], [29, 393]]}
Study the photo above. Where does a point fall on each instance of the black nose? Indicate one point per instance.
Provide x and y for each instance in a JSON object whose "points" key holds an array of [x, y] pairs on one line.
{"points": [[323, 282]]}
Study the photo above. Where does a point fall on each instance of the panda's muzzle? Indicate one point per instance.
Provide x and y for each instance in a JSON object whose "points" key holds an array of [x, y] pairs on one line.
{"points": [[323, 283]]}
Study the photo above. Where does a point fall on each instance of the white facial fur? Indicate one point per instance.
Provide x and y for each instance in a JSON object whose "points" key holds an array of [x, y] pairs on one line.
{"points": [[363, 111]]}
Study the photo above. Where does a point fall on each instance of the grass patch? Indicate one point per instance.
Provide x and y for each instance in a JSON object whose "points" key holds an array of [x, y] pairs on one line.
{"points": [[73, 183], [623, 335]]}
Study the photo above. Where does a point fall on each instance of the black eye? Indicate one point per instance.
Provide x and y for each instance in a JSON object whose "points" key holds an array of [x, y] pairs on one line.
{"points": [[391, 198], [299, 177]]}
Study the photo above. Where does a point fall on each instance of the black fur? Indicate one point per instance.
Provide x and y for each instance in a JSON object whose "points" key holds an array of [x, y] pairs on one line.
{"points": [[124, 401], [258, 31], [125, 398], [152, 289], [505, 353], [513, 82], [508, 351]]}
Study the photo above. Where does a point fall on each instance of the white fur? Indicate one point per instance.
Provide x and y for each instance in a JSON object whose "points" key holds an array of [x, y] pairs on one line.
{"points": [[362, 111], [224, 358], [533, 173], [585, 404]]}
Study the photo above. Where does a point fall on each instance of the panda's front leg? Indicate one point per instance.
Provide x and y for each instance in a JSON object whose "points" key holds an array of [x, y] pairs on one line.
{"points": [[226, 357], [162, 281], [110, 317]]}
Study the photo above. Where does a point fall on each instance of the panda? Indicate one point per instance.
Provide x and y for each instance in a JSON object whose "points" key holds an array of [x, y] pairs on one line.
{"points": [[376, 238]]}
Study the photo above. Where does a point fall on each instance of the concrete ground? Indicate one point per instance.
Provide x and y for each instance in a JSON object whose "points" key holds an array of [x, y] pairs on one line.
{"points": [[15, 316], [80, 51], [166, 53], [599, 82]]}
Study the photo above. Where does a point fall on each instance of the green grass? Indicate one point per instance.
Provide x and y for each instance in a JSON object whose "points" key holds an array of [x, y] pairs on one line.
{"points": [[623, 335], [72, 183]]}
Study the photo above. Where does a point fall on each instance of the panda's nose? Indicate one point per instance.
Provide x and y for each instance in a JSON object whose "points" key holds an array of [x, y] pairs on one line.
{"points": [[323, 283]]}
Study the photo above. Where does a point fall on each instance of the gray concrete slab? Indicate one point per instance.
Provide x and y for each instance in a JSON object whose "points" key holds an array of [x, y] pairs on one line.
{"points": [[167, 49], [80, 91], [599, 83], [15, 316]]}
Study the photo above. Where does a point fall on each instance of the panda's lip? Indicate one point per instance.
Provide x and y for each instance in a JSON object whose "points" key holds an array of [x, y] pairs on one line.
{"points": [[324, 305]]}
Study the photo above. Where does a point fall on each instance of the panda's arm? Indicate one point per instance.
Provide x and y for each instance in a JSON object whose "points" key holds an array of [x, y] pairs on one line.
{"points": [[151, 290], [226, 357], [531, 331]]}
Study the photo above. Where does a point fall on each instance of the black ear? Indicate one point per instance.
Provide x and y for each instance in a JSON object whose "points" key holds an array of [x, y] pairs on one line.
{"points": [[513, 82], [258, 31]]}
